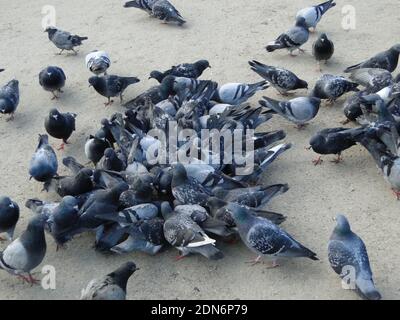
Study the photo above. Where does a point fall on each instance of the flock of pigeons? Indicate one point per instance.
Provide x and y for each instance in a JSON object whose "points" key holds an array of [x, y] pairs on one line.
{"points": [[133, 204]]}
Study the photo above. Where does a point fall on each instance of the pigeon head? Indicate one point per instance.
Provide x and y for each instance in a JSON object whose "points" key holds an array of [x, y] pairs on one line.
{"points": [[123, 273], [238, 213], [69, 202], [342, 225], [94, 81], [396, 47], [167, 85], [54, 114], [119, 188], [36, 223], [301, 22], [33, 204], [109, 153], [166, 210], [323, 37], [50, 29], [6, 202], [13, 84], [84, 174], [179, 174], [6, 106], [302, 84], [202, 65], [159, 76], [43, 140], [316, 141], [215, 203]]}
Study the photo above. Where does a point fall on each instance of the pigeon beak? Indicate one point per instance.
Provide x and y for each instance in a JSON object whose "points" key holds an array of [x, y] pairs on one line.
{"points": [[11, 205], [90, 85]]}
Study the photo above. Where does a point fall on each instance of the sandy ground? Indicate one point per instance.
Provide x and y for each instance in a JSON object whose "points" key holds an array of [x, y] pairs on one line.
{"points": [[228, 33]]}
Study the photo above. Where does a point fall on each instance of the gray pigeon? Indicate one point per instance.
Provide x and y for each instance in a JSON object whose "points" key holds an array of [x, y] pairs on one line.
{"points": [[313, 15], [387, 60], [293, 39], [26, 252], [52, 79], [146, 236], [9, 215], [9, 98], [165, 11], [44, 164], [238, 93], [281, 79], [299, 110], [372, 79], [349, 258], [111, 86], [266, 239], [145, 5], [95, 147], [187, 190], [186, 235], [98, 62], [61, 218], [64, 40], [112, 286], [332, 87]]}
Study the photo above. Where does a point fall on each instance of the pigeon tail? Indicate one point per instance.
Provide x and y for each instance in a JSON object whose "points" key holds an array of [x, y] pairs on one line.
{"points": [[272, 46], [209, 251]]}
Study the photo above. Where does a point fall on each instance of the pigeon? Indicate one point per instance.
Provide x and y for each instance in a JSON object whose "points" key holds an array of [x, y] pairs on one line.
{"points": [[95, 147], [112, 286], [101, 202], [186, 70], [145, 5], [187, 190], [156, 94], [9, 215], [313, 15], [238, 93], [281, 79], [52, 79], [74, 185], [186, 235], [387, 60], [111, 85], [26, 252], [61, 218], [165, 11], [298, 110], [98, 62], [333, 141], [9, 98], [251, 197], [1, 70], [372, 79], [265, 238], [113, 161], [332, 87], [64, 40], [293, 39], [44, 164], [323, 49], [349, 258], [145, 236], [60, 125]]}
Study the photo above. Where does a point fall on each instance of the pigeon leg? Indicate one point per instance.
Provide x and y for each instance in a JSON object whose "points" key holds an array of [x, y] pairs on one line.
{"points": [[345, 121], [301, 50], [274, 264], [110, 102], [54, 96], [396, 193], [32, 280], [11, 117], [313, 29], [59, 90], [75, 52], [178, 258], [291, 54], [2, 239], [25, 279], [121, 98], [330, 102], [318, 161], [61, 147], [301, 126], [338, 159], [254, 261], [319, 69], [60, 53]]}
